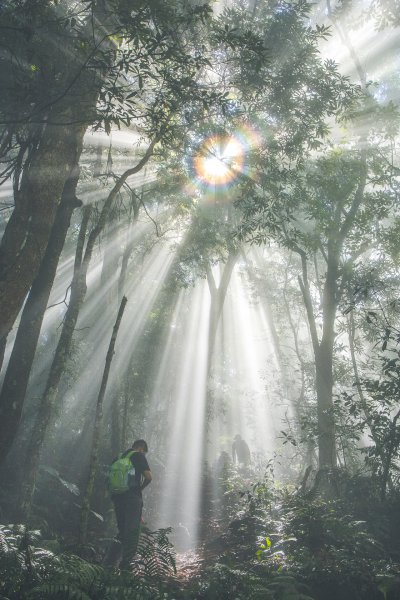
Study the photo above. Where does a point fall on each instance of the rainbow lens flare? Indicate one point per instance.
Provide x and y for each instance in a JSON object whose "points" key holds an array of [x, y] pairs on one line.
{"points": [[219, 160]]}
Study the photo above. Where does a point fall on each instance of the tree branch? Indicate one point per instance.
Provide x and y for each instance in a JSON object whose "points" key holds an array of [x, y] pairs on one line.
{"points": [[357, 201]]}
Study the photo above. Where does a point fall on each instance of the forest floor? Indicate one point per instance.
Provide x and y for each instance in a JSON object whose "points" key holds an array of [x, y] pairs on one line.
{"points": [[189, 564]]}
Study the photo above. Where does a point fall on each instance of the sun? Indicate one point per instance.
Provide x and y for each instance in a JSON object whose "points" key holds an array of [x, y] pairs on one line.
{"points": [[215, 166], [219, 160]]}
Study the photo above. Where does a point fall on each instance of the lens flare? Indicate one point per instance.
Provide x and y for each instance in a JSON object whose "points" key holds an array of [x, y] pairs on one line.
{"points": [[219, 160]]}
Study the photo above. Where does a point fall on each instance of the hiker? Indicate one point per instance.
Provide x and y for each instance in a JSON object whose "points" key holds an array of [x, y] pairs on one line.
{"points": [[240, 451], [223, 463], [126, 485]]}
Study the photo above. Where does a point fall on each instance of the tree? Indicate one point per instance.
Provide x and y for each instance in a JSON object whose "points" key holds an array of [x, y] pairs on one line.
{"points": [[118, 66], [19, 366], [153, 95], [334, 204], [292, 95], [209, 243], [94, 455], [78, 292]]}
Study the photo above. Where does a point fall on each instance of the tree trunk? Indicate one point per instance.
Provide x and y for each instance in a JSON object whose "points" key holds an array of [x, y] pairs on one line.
{"points": [[27, 233], [326, 421], [323, 355], [78, 289], [217, 303], [19, 367], [324, 364], [3, 344], [108, 270], [116, 425], [97, 429], [299, 402]]}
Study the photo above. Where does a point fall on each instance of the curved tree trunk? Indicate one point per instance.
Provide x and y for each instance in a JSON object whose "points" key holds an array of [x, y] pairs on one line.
{"points": [[323, 356]]}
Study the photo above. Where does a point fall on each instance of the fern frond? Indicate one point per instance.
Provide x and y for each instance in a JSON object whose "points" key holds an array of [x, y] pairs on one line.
{"points": [[57, 591]]}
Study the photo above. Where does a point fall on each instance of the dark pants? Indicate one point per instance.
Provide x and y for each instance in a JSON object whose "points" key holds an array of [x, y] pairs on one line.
{"points": [[128, 510]]}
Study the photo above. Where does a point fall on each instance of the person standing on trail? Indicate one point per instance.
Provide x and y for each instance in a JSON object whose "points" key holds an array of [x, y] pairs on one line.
{"points": [[223, 463], [129, 475], [240, 451]]}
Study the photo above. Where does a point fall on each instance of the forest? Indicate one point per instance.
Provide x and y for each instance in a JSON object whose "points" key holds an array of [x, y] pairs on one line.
{"points": [[199, 288]]}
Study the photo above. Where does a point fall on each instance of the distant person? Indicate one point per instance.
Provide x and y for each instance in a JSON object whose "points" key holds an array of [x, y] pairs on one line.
{"points": [[129, 475], [240, 451], [223, 463]]}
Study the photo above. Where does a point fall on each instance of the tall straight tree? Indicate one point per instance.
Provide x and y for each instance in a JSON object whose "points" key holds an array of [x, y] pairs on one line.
{"points": [[95, 447]]}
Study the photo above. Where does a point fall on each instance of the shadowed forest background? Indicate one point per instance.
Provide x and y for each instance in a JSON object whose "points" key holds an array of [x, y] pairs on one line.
{"points": [[200, 239]]}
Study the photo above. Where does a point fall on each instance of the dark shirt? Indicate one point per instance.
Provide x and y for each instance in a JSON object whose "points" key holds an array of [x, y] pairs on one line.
{"points": [[242, 451], [139, 461]]}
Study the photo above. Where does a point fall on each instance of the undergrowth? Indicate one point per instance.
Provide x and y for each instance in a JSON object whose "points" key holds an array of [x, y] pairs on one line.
{"points": [[279, 544], [29, 571]]}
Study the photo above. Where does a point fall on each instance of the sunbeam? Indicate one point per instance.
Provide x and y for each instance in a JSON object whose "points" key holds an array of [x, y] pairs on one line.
{"points": [[199, 290]]}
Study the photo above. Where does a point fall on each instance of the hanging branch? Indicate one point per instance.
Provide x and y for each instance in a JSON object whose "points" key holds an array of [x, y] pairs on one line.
{"points": [[97, 428], [110, 200], [158, 233]]}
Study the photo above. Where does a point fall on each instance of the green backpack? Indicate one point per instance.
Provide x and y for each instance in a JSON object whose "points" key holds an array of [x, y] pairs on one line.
{"points": [[122, 474]]}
